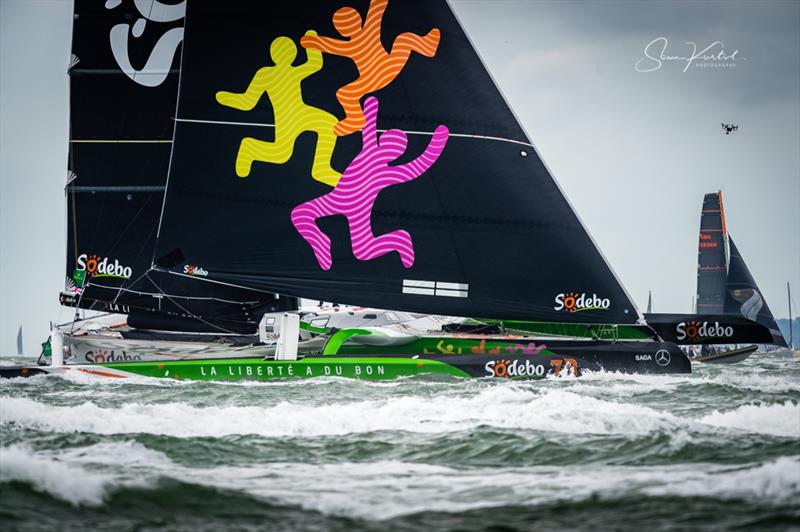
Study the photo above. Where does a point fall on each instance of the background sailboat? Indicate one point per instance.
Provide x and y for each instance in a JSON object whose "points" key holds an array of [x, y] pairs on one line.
{"points": [[728, 308], [724, 282], [791, 323]]}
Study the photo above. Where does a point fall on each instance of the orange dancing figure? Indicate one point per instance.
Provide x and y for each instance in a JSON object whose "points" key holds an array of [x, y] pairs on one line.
{"points": [[376, 67]]}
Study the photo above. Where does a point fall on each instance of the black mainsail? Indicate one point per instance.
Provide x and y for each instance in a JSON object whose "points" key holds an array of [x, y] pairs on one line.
{"points": [[123, 93], [712, 257], [460, 215]]}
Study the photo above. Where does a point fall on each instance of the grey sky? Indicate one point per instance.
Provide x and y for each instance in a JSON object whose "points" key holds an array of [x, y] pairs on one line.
{"points": [[634, 152]]}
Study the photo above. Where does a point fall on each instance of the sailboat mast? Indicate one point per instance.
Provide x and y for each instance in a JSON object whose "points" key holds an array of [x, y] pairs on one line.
{"points": [[791, 323]]}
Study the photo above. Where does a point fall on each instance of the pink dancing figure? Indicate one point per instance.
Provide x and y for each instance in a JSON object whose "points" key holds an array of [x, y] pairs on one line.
{"points": [[355, 194]]}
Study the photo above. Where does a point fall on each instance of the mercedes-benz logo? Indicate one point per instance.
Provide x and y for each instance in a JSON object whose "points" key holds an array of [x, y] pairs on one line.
{"points": [[663, 357]]}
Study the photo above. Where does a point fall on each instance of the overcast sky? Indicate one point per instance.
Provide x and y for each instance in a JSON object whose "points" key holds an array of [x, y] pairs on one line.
{"points": [[633, 151]]}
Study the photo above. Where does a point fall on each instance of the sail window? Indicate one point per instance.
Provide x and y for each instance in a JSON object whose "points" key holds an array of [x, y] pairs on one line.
{"points": [[435, 288]]}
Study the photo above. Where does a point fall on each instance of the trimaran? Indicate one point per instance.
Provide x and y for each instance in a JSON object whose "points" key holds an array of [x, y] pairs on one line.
{"points": [[228, 159], [725, 287]]}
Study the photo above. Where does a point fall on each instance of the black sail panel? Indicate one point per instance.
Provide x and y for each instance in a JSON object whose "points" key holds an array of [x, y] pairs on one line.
{"points": [[712, 256], [462, 221], [743, 296], [123, 92], [123, 95]]}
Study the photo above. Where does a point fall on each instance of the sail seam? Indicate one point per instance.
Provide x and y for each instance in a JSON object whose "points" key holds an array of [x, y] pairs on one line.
{"points": [[172, 296], [141, 188], [120, 141], [427, 133]]}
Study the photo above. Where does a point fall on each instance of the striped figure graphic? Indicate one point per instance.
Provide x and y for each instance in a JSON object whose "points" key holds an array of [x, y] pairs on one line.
{"points": [[355, 194], [293, 116], [376, 67]]}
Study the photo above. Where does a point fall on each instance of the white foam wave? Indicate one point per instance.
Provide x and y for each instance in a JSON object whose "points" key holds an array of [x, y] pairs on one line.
{"points": [[761, 382], [83, 476], [44, 473], [779, 419], [514, 407], [386, 489], [746, 378], [382, 490], [777, 481]]}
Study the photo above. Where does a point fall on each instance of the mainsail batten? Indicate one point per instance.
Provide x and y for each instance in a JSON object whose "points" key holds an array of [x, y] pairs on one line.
{"points": [[485, 214]]}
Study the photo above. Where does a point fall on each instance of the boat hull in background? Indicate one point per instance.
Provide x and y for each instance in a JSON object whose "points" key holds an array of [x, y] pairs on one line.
{"points": [[733, 356]]}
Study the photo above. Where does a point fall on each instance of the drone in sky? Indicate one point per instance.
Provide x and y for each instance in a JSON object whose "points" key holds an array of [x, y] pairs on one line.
{"points": [[728, 128]]}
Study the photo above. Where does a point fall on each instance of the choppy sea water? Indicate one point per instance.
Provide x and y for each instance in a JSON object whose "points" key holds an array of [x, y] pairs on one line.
{"points": [[719, 449]]}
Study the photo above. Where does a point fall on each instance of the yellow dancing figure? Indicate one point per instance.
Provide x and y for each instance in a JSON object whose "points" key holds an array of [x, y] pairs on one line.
{"points": [[293, 116]]}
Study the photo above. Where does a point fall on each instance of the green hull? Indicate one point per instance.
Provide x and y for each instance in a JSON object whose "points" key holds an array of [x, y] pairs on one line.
{"points": [[369, 368], [452, 356]]}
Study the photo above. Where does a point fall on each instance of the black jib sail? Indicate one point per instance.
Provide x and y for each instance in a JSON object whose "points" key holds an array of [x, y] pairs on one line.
{"points": [[123, 94], [724, 283], [743, 297], [360, 152]]}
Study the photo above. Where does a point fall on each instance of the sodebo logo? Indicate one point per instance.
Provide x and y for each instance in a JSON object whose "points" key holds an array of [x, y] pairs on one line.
{"points": [[514, 368], [108, 357], [574, 302], [101, 267], [195, 270], [694, 331]]}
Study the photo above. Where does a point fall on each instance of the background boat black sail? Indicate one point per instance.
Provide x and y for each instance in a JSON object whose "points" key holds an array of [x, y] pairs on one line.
{"points": [[743, 297], [492, 233], [123, 92], [712, 256]]}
